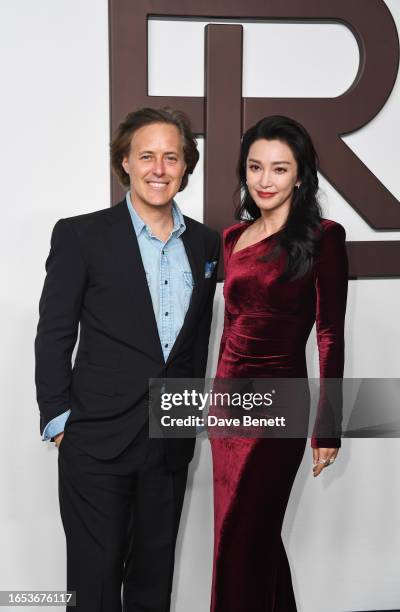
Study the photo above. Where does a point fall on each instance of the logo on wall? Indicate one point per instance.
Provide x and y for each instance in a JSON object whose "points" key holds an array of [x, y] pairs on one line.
{"points": [[222, 115]]}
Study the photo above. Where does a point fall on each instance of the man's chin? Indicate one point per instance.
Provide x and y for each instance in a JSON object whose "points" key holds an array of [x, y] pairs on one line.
{"points": [[159, 203]]}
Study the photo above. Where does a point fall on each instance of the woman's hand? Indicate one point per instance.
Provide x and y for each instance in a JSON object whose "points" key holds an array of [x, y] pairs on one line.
{"points": [[322, 458]]}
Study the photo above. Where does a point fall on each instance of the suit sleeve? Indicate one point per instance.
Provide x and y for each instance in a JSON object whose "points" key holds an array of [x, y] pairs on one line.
{"points": [[55, 426], [203, 333], [331, 281], [59, 314]]}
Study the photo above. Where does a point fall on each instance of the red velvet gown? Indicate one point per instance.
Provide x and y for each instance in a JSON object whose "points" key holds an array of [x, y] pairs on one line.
{"points": [[265, 333]]}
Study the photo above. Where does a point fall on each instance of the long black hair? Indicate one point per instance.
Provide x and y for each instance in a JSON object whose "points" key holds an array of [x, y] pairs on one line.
{"points": [[299, 236]]}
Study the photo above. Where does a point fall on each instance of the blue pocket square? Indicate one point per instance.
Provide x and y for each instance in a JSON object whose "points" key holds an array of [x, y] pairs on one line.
{"points": [[209, 268]]}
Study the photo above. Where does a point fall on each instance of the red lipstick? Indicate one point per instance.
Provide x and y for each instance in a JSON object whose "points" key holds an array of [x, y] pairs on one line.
{"points": [[266, 194]]}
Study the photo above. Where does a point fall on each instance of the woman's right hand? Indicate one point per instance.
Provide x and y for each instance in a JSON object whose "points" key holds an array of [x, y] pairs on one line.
{"points": [[323, 458]]}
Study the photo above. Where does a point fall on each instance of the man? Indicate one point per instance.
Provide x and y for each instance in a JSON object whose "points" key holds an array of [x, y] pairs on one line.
{"points": [[140, 280]]}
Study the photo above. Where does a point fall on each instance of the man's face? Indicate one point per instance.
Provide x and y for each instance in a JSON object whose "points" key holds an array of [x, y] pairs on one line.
{"points": [[155, 164]]}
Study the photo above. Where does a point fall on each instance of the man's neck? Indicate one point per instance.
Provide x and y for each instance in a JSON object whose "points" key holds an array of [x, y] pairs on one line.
{"points": [[158, 218]]}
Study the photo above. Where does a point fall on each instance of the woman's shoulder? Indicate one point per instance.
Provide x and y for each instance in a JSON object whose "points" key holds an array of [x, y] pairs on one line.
{"points": [[332, 242], [232, 231], [331, 230]]}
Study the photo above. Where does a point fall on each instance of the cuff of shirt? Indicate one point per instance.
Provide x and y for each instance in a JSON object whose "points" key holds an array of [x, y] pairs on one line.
{"points": [[55, 426]]}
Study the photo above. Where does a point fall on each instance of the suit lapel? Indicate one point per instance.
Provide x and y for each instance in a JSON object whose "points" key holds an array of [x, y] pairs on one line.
{"points": [[132, 276], [194, 248]]}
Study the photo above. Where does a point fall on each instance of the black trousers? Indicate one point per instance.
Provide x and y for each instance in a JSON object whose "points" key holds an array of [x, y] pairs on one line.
{"points": [[121, 519]]}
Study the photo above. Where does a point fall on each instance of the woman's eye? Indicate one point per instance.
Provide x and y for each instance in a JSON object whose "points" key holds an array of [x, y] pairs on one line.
{"points": [[254, 167], [280, 170]]}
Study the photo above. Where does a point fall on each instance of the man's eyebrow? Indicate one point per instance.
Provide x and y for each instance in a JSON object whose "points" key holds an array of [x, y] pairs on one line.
{"points": [[165, 153]]}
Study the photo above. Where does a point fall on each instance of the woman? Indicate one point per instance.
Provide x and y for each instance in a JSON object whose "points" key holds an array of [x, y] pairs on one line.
{"points": [[285, 268]]}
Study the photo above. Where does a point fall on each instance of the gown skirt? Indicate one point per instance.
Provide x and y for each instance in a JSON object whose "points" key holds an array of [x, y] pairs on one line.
{"points": [[266, 326]]}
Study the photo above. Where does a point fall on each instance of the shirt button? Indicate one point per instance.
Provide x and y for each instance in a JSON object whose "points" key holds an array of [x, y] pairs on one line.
{"points": [[165, 282], [163, 252], [166, 314], [166, 346]]}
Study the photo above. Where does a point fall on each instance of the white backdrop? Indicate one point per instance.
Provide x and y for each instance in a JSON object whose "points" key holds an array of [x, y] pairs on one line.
{"points": [[341, 530]]}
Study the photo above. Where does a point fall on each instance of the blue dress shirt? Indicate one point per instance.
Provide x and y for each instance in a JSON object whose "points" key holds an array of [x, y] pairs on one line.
{"points": [[170, 282]]}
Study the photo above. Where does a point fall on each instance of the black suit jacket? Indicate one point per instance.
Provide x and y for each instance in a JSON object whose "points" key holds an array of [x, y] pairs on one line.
{"points": [[95, 278]]}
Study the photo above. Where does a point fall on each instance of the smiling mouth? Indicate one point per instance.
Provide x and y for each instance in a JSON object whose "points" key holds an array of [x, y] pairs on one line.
{"points": [[266, 194], [157, 185]]}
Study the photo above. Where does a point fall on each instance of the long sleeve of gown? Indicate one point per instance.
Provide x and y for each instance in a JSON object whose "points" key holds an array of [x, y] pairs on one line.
{"points": [[226, 253], [331, 279]]}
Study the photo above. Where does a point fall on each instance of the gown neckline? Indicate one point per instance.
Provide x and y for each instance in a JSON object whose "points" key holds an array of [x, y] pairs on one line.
{"points": [[242, 228]]}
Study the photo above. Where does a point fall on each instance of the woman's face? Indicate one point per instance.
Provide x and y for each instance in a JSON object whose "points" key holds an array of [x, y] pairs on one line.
{"points": [[271, 174]]}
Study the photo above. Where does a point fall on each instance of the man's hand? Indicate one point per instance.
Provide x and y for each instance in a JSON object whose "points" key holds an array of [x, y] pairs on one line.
{"points": [[322, 458], [58, 438]]}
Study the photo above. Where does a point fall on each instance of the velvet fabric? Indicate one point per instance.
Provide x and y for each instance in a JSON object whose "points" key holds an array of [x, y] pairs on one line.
{"points": [[266, 327]]}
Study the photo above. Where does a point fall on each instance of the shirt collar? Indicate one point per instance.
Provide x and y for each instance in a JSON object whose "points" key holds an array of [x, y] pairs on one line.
{"points": [[139, 224]]}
